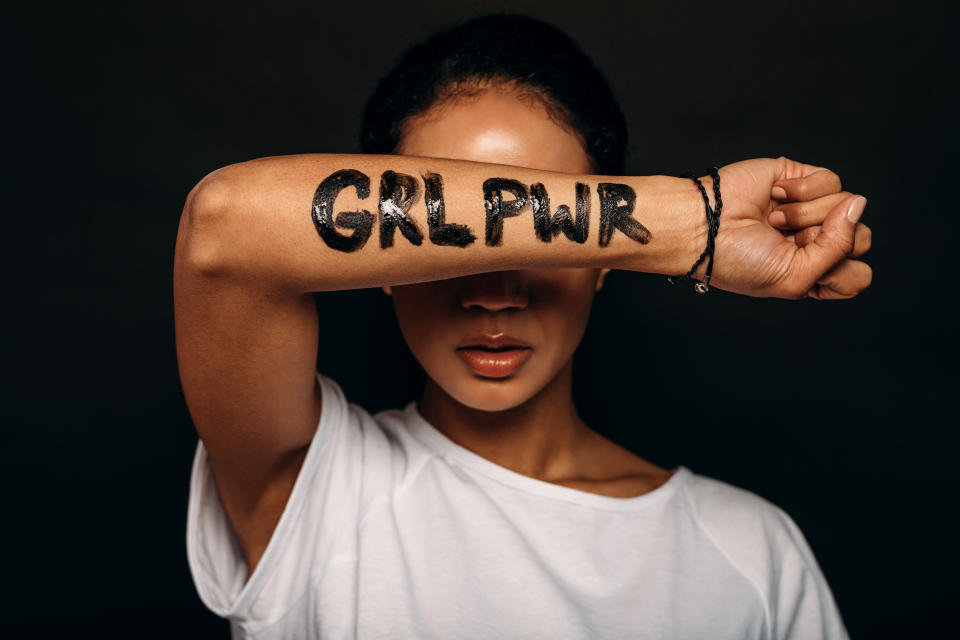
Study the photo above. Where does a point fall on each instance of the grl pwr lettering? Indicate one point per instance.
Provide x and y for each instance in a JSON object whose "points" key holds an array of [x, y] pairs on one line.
{"points": [[503, 198]]}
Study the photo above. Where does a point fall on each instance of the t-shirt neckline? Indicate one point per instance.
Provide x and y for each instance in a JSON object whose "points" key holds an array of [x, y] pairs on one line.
{"points": [[439, 443]]}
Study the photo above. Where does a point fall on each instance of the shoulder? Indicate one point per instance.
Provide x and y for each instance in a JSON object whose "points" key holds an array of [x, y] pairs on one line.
{"points": [[382, 442], [753, 534], [763, 543], [730, 511]]}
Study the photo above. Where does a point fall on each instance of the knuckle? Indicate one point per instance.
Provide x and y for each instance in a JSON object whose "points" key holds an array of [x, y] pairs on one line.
{"points": [[843, 242], [799, 215], [835, 181], [839, 244]]}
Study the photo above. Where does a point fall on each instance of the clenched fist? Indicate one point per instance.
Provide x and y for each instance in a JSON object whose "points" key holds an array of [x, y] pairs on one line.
{"points": [[787, 230]]}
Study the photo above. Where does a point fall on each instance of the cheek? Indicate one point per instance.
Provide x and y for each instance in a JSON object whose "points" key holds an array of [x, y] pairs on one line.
{"points": [[422, 314], [563, 305], [571, 288]]}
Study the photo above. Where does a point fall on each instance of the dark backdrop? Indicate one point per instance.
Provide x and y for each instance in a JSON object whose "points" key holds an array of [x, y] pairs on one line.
{"points": [[839, 412]]}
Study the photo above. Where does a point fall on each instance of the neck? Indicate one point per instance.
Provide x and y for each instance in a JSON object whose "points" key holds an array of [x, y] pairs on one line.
{"points": [[539, 438]]}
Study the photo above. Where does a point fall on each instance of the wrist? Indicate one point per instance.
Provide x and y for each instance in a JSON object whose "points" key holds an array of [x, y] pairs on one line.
{"points": [[702, 237], [672, 209]]}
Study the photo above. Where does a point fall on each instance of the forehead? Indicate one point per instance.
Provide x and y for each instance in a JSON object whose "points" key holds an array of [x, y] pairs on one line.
{"points": [[496, 126]]}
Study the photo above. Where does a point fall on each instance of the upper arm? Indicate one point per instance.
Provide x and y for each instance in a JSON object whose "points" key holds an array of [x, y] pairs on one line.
{"points": [[246, 353]]}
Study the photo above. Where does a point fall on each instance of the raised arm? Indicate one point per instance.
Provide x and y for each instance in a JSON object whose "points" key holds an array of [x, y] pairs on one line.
{"points": [[257, 238], [325, 222]]}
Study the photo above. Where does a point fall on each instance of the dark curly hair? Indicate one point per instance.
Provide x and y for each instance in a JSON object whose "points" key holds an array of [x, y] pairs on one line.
{"points": [[535, 58]]}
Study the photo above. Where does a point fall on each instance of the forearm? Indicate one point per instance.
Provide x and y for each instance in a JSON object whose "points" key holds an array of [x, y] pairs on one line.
{"points": [[326, 221]]}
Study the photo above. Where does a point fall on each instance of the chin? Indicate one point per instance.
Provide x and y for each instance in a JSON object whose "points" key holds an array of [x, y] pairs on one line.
{"points": [[490, 394]]}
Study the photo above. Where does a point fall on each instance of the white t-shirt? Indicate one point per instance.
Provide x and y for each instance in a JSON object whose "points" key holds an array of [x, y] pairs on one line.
{"points": [[392, 530]]}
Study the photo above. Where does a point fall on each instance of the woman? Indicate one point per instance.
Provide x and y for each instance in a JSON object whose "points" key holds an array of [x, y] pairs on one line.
{"points": [[487, 508]]}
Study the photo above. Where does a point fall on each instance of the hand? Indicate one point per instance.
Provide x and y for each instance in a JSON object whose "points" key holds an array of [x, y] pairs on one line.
{"points": [[788, 231]]}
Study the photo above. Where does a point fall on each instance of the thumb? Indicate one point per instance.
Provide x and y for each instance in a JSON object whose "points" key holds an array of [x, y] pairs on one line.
{"points": [[835, 239]]}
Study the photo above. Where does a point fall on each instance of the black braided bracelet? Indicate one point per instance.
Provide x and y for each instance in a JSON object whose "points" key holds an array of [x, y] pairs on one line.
{"points": [[713, 224]]}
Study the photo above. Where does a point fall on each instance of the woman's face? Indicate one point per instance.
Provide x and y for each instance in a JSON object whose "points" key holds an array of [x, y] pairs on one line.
{"points": [[546, 309]]}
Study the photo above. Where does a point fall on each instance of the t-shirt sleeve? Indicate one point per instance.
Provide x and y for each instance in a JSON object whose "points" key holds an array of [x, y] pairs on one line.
{"points": [[324, 500], [802, 604], [764, 544]]}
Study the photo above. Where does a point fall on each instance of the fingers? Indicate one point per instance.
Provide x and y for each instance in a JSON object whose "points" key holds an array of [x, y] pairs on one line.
{"points": [[804, 182], [834, 242], [862, 238], [797, 215], [846, 280]]}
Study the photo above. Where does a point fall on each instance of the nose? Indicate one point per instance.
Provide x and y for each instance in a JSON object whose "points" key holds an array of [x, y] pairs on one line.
{"points": [[495, 291]]}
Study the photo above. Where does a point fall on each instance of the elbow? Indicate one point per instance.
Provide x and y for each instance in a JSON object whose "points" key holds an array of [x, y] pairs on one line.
{"points": [[201, 239]]}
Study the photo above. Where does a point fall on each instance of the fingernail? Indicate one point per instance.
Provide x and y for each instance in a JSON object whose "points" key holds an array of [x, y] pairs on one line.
{"points": [[778, 218], [779, 193], [856, 209]]}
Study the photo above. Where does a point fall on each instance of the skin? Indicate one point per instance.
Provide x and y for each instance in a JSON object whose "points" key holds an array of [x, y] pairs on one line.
{"points": [[526, 422]]}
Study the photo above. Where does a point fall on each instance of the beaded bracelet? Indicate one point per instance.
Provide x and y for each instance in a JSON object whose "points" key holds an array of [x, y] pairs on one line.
{"points": [[713, 224]]}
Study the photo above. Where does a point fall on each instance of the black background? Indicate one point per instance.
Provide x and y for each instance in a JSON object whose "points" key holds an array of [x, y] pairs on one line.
{"points": [[839, 412]]}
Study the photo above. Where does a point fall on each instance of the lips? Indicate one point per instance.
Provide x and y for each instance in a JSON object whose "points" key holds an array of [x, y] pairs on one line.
{"points": [[494, 356]]}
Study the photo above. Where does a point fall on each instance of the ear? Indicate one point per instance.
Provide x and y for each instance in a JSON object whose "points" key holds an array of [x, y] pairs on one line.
{"points": [[387, 291], [603, 274]]}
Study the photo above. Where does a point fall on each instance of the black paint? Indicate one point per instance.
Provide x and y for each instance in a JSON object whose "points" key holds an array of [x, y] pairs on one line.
{"points": [[547, 227], [497, 209], [398, 192], [322, 211], [442, 232], [614, 215]]}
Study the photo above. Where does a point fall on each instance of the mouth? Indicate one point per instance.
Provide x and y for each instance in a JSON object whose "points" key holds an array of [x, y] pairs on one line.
{"points": [[494, 356]]}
